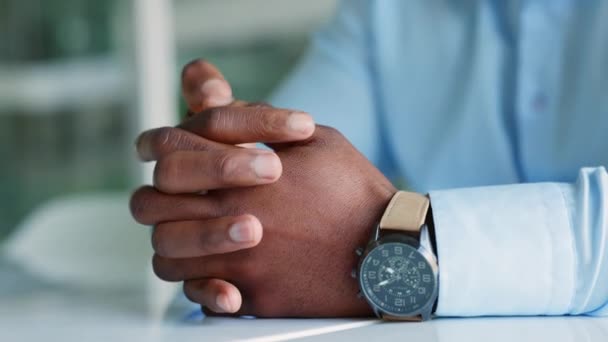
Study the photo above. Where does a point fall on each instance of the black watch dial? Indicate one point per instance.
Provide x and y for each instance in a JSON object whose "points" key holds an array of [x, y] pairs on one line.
{"points": [[397, 279]]}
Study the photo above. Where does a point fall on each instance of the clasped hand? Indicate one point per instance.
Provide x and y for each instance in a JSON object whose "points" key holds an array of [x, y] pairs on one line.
{"points": [[251, 231]]}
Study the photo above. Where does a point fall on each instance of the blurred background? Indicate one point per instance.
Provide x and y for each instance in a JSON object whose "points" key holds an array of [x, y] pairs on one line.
{"points": [[80, 78]]}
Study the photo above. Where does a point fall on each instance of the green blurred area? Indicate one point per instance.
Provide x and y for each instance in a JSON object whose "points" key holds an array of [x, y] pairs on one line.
{"points": [[91, 149], [42, 30]]}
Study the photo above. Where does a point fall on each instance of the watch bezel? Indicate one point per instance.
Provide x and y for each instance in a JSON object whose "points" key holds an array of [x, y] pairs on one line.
{"points": [[426, 254]]}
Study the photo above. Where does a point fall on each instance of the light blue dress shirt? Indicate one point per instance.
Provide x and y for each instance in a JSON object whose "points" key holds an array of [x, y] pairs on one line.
{"points": [[499, 109]]}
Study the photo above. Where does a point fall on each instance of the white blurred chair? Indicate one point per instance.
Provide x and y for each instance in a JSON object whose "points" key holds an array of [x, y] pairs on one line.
{"points": [[88, 241]]}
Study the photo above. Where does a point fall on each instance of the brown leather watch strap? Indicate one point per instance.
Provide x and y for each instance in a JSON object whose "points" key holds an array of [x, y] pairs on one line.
{"points": [[406, 212]]}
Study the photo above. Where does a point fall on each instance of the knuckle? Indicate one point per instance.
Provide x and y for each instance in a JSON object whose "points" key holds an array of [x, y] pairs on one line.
{"points": [[166, 172], [210, 209], [269, 122], [164, 138], [158, 237], [207, 244], [163, 270], [326, 135], [215, 120], [228, 167], [330, 131], [139, 204]]}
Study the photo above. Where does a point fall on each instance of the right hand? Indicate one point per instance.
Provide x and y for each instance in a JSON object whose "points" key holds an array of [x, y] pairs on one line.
{"points": [[215, 125]]}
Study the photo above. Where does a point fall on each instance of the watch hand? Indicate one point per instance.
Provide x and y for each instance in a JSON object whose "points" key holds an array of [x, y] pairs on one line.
{"points": [[384, 282], [388, 281]]}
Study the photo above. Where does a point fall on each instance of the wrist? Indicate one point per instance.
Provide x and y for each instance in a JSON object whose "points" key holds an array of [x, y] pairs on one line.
{"points": [[371, 211]]}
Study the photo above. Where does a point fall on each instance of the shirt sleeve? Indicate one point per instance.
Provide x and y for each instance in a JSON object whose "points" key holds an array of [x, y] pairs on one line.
{"points": [[333, 81], [525, 249]]}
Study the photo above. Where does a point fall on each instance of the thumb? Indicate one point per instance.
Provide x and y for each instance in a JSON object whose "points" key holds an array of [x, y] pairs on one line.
{"points": [[204, 86]]}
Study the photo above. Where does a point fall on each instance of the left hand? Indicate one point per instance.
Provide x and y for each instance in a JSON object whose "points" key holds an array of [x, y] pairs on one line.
{"points": [[220, 122], [323, 207]]}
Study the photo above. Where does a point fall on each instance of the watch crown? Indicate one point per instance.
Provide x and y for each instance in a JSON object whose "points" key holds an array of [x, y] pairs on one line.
{"points": [[353, 273], [359, 295], [359, 251]]}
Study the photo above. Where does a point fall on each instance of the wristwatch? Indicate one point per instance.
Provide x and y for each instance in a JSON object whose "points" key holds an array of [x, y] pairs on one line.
{"points": [[398, 272]]}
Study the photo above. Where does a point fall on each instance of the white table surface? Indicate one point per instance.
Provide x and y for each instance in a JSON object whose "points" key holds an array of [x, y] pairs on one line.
{"points": [[30, 311]]}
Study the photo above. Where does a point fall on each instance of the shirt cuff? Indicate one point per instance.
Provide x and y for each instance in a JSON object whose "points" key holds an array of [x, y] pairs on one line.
{"points": [[504, 250]]}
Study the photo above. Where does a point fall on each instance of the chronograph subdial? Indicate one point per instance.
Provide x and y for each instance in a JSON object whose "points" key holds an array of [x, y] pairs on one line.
{"points": [[401, 274]]}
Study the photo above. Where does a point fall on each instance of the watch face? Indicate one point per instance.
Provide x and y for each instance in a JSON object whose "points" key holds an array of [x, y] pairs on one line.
{"points": [[397, 279]]}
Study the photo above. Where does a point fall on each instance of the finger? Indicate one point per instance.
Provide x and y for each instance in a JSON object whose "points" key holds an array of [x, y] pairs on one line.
{"points": [[326, 136], [204, 86], [150, 206], [255, 105], [234, 103], [237, 125], [155, 143], [188, 239], [215, 294], [249, 104], [194, 171], [170, 269]]}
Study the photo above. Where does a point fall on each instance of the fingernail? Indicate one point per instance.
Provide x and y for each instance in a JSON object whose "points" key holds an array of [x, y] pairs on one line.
{"points": [[223, 302], [142, 147], [216, 93], [300, 122], [266, 166], [239, 232]]}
